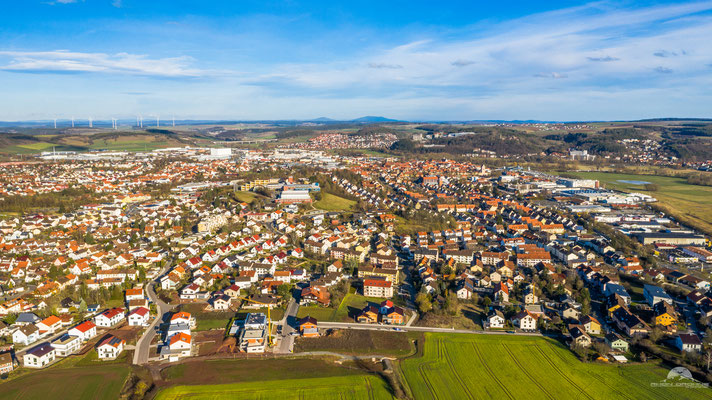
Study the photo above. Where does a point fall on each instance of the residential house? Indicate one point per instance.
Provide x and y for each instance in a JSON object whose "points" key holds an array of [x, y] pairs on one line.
{"points": [[66, 345], [26, 335], [616, 342], [590, 325], [39, 356], [85, 331], [374, 287], [7, 364], [138, 317], [495, 320], [109, 318], [655, 294], [308, 327], [525, 320], [110, 347], [688, 342]]}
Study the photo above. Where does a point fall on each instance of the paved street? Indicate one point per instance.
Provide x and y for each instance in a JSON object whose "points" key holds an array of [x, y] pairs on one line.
{"points": [[377, 327], [286, 339], [144, 343]]}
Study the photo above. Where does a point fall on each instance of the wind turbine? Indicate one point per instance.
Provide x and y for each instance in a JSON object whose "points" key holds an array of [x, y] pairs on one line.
{"points": [[90, 123], [72, 121], [174, 121], [158, 121], [55, 123]]}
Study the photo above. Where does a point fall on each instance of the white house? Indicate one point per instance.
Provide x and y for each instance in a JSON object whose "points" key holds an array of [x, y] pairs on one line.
{"points": [[524, 320], [25, 335], [66, 345], [110, 348], [688, 342], [183, 317], [495, 319], [84, 331], [109, 318], [221, 302], [138, 317], [39, 356], [178, 346]]}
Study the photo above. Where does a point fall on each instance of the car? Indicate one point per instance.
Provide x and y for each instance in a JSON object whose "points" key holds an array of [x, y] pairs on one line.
{"points": [[398, 329]]}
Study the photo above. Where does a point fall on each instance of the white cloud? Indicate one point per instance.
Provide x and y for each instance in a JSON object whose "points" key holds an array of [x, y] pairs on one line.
{"points": [[62, 61], [594, 46]]}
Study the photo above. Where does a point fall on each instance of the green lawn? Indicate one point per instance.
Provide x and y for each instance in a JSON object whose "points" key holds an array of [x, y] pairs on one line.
{"points": [[95, 382], [341, 313], [365, 387], [683, 200], [246, 197], [330, 202], [208, 324], [516, 367]]}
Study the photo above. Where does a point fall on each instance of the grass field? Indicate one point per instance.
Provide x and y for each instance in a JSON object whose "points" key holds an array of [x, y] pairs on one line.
{"points": [[330, 202], [344, 387], [516, 367], [85, 383], [36, 146], [691, 201], [247, 197], [350, 303]]}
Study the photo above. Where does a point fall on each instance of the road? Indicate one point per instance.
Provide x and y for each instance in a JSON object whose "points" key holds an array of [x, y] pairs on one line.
{"points": [[143, 345], [286, 339], [377, 327]]}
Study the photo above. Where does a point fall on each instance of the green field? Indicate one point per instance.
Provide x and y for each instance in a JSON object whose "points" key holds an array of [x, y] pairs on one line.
{"points": [[36, 146], [683, 200], [330, 202], [95, 382], [278, 378], [208, 324], [351, 302], [516, 367], [247, 197], [343, 387]]}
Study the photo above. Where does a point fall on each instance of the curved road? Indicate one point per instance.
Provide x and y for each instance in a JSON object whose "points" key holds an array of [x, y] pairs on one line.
{"points": [[143, 345]]}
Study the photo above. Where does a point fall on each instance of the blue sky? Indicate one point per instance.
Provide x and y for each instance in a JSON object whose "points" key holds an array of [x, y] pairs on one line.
{"points": [[415, 60]]}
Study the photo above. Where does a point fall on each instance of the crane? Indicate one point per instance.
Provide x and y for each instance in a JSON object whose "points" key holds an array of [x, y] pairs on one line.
{"points": [[269, 318]]}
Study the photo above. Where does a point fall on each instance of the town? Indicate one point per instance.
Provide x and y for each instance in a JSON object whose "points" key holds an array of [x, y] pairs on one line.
{"points": [[182, 253]]}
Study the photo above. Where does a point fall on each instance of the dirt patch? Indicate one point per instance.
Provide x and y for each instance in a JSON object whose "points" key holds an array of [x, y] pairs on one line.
{"points": [[357, 342], [208, 342], [206, 372], [128, 333], [468, 317]]}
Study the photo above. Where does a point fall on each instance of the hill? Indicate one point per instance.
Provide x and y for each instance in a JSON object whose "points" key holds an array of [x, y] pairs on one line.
{"points": [[370, 118]]}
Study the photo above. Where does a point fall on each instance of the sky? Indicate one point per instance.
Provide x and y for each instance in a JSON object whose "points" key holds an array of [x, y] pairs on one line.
{"points": [[408, 60]]}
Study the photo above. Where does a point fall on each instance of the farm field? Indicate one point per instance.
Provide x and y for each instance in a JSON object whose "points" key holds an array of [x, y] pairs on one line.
{"points": [[683, 199], [361, 342], [515, 367], [221, 372], [330, 202], [81, 383], [345, 387]]}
